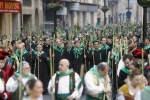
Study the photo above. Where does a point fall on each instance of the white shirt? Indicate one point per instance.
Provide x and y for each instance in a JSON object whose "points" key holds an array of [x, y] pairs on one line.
{"points": [[138, 96], [63, 86], [92, 88], [1, 86], [120, 66], [11, 85]]}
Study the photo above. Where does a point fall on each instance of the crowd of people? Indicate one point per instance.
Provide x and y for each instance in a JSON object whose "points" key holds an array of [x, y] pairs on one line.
{"points": [[110, 67]]}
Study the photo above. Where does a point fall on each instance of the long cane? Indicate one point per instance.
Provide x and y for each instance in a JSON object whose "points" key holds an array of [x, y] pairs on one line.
{"points": [[142, 63], [51, 73], [85, 60], [20, 84], [38, 65]]}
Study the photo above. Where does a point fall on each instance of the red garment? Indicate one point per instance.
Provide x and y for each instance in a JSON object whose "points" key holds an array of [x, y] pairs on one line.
{"points": [[5, 81], [9, 70]]}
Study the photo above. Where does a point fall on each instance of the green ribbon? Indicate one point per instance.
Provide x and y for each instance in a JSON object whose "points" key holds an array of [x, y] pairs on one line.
{"points": [[94, 70], [61, 75], [11, 59], [126, 70], [77, 52], [147, 47], [23, 52], [17, 74], [104, 47], [59, 49]]}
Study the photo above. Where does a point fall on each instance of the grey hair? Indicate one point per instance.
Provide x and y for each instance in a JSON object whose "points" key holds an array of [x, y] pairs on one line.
{"points": [[148, 76], [22, 63], [101, 66]]}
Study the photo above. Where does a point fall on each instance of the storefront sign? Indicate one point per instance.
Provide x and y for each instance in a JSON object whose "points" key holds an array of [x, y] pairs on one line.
{"points": [[9, 7]]}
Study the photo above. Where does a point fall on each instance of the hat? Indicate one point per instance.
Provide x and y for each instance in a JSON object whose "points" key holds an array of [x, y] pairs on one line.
{"points": [[138, 54], [2, 57], [140, 45], [3, 52]]}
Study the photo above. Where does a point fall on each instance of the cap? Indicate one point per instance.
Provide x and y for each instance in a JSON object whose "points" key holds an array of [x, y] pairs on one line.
{"points": [[3, 52], [2, 57], [138, 54]]}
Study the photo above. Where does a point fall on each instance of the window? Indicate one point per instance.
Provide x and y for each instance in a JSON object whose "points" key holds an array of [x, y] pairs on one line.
{"points": [[27, 3]]}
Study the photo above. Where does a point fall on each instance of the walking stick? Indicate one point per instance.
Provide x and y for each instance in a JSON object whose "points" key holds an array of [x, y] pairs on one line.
{"points": [[34, 66], [142, 63], [51, 71], [53, 53], [85, 60], [38, 65], [20, 70]]}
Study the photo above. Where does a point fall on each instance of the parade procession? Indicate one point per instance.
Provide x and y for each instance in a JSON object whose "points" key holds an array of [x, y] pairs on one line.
{"points": [[109, 61]]}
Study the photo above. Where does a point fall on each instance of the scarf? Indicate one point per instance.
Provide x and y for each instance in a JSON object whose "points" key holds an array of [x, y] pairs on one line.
{"points": [[104, 47], [61, 75], [126, 70], [94, 70], [61, 49], [77, 52], [147, 47], [23, 53], [17, 74]]}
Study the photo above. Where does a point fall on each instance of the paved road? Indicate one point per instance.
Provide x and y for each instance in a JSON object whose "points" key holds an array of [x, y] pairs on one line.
{"points": [[48, 97]]}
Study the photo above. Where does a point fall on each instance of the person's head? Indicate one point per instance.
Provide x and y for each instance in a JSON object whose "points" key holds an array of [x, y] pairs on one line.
{"points": [[2, 61], [21, 47], [96, 44], [34, 88], [134, 66], [132, 47], [127, 59], [39, 48], [103, 41], [135, 78], [76, 39], [147, 41], [109, 41], [77, 44], [25, 68], [46, 41], [58, 42], [67, 44], [63, 66], [137, 54], [14, 43], [103, 68]]}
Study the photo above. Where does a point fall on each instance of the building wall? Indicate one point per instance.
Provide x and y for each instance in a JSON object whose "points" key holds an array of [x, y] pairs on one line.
{"points": [[33, 15]]}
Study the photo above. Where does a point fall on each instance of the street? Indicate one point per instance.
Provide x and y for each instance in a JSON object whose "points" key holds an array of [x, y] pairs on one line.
{"points": [[48, 97]]}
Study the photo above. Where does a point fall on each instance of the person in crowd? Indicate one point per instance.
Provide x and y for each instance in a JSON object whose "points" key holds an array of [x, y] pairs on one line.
{"points": [[128, 91], [13, 82], [97, 82], [34, 89], [144, 93], [65, 83], [125, 71], [40, 68], [60, 52], [4, 95]]}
